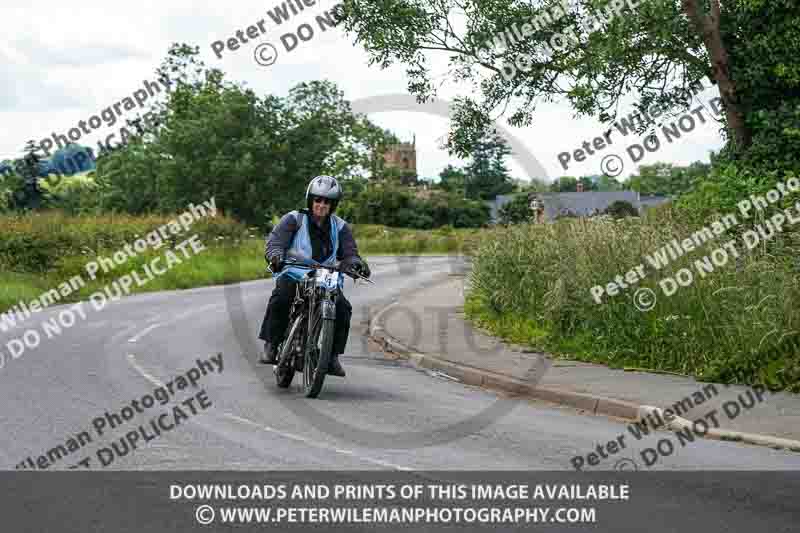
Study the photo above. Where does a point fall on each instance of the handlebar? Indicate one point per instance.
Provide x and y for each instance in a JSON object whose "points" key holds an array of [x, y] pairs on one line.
{"points": [[313, 265]]}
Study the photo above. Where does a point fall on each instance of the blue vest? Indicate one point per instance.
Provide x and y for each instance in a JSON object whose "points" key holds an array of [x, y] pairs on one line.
{"points": [[301, 245]]}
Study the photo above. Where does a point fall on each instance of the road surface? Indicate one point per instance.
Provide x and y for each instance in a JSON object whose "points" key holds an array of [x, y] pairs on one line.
{"points": [[394, 416]]}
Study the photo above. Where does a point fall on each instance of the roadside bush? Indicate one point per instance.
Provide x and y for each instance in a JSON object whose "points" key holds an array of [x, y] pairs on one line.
{"points": [[40, 251], [621, 209], [516, 211], [396, 206], [36, 242], [718, 328], [10, 183], [474, 215], [375, 239], [74, 195]]}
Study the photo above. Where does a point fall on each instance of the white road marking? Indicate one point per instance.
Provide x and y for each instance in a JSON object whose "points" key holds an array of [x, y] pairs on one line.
{"points": [[142, 371], [144, 332], [135, 365], [438, 374], [315, 444], [266, 428], [191, 312], [122, 334], [195, 311]]}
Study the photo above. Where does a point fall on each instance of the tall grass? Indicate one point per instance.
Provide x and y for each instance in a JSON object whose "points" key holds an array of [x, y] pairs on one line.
{"points": [[38, 252], [37, 242], [535, 280]]}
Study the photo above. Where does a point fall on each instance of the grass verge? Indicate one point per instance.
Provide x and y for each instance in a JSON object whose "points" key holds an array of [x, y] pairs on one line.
{"points": [[39, 252], [531, 284]]}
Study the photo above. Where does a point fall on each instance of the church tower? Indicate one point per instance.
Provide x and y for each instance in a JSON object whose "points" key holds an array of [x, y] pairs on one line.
{"points": [[403, 157]]}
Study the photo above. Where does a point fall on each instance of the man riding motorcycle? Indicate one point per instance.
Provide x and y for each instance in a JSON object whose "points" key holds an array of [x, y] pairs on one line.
{"points": [[311, 233]]}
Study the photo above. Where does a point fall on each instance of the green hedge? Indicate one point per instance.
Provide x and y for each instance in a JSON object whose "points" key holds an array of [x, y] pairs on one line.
{"points": [[36, 243], [396, 206]]}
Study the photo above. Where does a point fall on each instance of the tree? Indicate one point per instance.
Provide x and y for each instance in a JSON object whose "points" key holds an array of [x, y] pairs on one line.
{"points": [[657, 50], [530, 185], [621, 209], [588, 184], [564, 184], [666, 179], [254, 154], [486, 174], [517, 211], [453, 179], [398, 175], [31, 161], [427, 182], [607, 183], [390, 203], [349, 140], [11, 187], [29, 168]]}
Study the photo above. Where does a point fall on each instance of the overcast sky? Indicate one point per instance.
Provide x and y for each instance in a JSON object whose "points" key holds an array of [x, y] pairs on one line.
{"points": [[64, 62]]}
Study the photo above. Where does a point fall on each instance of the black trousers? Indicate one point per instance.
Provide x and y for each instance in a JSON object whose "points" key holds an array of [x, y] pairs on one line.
{"points": [[276, 319]]}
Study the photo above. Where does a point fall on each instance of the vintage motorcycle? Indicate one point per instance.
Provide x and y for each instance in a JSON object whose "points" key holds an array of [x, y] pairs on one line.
{"points": [[309, 342]]}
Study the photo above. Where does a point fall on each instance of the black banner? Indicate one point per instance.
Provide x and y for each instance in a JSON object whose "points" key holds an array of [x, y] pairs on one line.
{"points": [[408, 501]]}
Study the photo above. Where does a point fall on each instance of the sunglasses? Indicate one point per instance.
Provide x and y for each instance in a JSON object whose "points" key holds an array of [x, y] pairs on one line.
{"points": [[322, 201]]}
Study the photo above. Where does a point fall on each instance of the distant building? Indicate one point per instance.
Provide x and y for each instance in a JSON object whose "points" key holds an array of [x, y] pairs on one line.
{"points": [[652, 200], [548, 206], [403, 157]]}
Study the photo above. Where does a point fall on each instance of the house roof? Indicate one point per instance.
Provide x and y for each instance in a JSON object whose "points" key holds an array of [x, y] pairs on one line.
{"points": [[584, 203], [652, 200], [580, 203]]}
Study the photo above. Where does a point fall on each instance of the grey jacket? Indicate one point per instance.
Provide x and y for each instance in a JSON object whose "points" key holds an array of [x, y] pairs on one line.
{"points": [[280, 239]]}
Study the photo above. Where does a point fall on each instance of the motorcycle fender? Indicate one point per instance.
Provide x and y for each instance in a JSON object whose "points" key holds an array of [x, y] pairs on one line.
{"points": [[328, 310]]}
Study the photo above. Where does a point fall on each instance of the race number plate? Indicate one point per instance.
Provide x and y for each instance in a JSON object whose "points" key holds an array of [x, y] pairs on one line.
{"points": [[328, 279]]}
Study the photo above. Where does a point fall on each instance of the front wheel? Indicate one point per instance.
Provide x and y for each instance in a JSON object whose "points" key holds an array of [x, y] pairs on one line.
{"points": [[318, 356], [284, 372]]}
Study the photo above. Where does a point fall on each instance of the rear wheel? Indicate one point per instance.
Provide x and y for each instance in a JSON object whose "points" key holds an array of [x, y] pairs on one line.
{"points": [[318, 356], [284, 372]]}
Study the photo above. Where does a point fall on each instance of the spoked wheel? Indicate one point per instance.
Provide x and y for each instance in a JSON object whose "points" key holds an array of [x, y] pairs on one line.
{"points": [[284, 372], [318, 357]]}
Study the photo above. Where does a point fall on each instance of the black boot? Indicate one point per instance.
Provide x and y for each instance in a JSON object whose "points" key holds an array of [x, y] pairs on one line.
{"points": [[335, 367], [270, 354]]}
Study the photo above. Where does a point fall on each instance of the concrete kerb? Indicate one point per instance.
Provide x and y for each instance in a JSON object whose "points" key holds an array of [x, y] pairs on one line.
{"points": [[678, 424], [491, 380], [598, 405]]}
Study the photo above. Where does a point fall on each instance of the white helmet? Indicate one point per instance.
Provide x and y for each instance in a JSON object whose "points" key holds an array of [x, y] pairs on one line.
{"points": [[325, 187]]}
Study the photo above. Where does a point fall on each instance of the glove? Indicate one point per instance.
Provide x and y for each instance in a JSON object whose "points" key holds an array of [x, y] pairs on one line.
{"points": [[360, 267], [275, 263]]}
